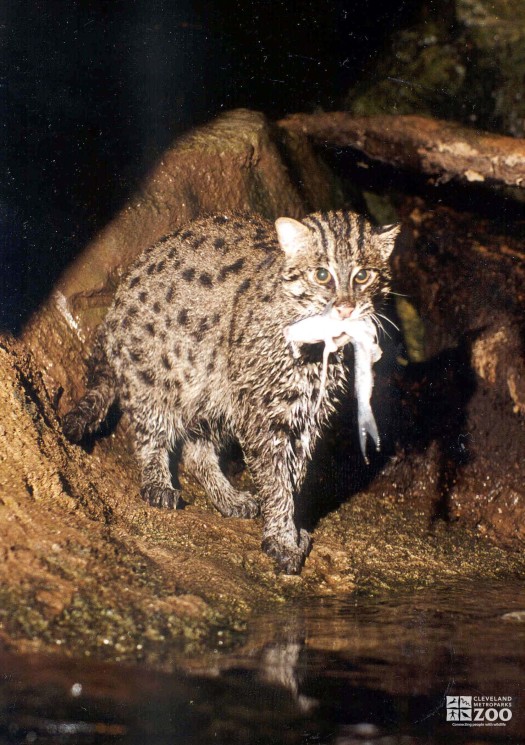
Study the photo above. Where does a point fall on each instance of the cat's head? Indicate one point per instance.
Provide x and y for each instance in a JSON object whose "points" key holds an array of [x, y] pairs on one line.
{"points": [[336, 256]]}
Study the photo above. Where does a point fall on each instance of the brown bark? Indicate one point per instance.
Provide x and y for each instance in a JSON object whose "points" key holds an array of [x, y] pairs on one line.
{"points": [[443, 150]]}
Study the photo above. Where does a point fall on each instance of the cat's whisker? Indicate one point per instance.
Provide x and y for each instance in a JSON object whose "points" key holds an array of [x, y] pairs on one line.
{"points": [[379, 324], [389, 321]]}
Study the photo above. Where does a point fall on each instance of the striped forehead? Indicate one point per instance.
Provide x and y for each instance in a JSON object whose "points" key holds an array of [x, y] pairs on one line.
{"points": [[342, 238]]}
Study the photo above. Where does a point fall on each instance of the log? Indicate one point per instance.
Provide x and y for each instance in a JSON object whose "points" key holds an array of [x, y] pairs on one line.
{"points": [[440, 149]]}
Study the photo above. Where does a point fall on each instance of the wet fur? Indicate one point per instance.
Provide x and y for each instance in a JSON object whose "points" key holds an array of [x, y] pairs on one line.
{"points": [[193, 349]]}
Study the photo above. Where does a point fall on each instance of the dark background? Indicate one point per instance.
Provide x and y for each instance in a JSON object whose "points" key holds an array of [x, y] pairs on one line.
{"points": [[92, 92]]}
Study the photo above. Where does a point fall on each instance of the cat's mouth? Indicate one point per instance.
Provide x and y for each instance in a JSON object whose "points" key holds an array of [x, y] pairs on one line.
{"points": [[345, 310]]}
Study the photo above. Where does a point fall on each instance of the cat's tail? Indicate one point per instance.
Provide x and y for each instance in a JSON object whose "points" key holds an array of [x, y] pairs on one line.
{"points": [[92, 409]]}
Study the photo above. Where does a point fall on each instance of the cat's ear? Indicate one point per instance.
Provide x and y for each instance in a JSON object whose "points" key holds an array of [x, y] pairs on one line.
{"points": [[386, 236], [293, 235]]}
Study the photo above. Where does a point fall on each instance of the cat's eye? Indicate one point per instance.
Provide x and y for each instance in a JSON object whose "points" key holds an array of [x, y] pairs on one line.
{"points": [[362, 276], [322, 276]]}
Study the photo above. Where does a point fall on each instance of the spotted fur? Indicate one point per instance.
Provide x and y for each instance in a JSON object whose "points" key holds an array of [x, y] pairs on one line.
{"points": [[193, 349]]}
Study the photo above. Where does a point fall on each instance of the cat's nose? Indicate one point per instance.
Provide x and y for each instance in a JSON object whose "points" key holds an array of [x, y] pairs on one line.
{"points": [[344, 309]]}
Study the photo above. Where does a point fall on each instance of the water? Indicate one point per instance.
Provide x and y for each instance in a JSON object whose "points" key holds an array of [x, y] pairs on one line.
{"points": [[354, 670]]}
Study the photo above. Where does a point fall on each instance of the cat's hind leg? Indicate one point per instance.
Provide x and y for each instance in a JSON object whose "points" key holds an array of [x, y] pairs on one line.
{"points": [[152, 447], [202, 461]]}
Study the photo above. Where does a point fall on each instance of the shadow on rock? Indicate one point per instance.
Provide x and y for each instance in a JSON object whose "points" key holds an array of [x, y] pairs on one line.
{"points": [[416, 406]]}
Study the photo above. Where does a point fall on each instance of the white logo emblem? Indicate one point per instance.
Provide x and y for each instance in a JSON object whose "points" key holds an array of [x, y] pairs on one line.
{"points": [[479, 711]]}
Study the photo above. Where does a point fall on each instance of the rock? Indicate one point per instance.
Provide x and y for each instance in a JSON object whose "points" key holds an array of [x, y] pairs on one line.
{"points": [[465, 278], [76, 563], [497, 357], [441, 150], [88, 568]]}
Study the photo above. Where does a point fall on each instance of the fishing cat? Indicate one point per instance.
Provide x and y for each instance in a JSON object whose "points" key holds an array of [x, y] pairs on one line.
{"points": [[193, 349]]}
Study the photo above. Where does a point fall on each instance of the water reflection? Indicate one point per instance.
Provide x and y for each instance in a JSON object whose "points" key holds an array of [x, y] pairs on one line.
{"points": [[360, 670]]}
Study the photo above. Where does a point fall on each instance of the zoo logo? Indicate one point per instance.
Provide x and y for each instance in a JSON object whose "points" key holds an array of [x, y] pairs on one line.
{"points": [[479, 711]]}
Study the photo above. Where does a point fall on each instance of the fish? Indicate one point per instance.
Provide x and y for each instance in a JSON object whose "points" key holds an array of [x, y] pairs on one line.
{"points": [[335, 332], [363, 335]]}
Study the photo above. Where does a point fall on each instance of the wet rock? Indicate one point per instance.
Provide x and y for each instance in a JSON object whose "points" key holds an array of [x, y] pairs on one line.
{"points": [[465, 277], [441, 150], [88, 568], [497, 357]]}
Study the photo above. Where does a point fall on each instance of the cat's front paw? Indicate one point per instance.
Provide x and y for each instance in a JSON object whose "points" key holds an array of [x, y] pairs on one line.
{"points": [[289, 557], [161, 496]]}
